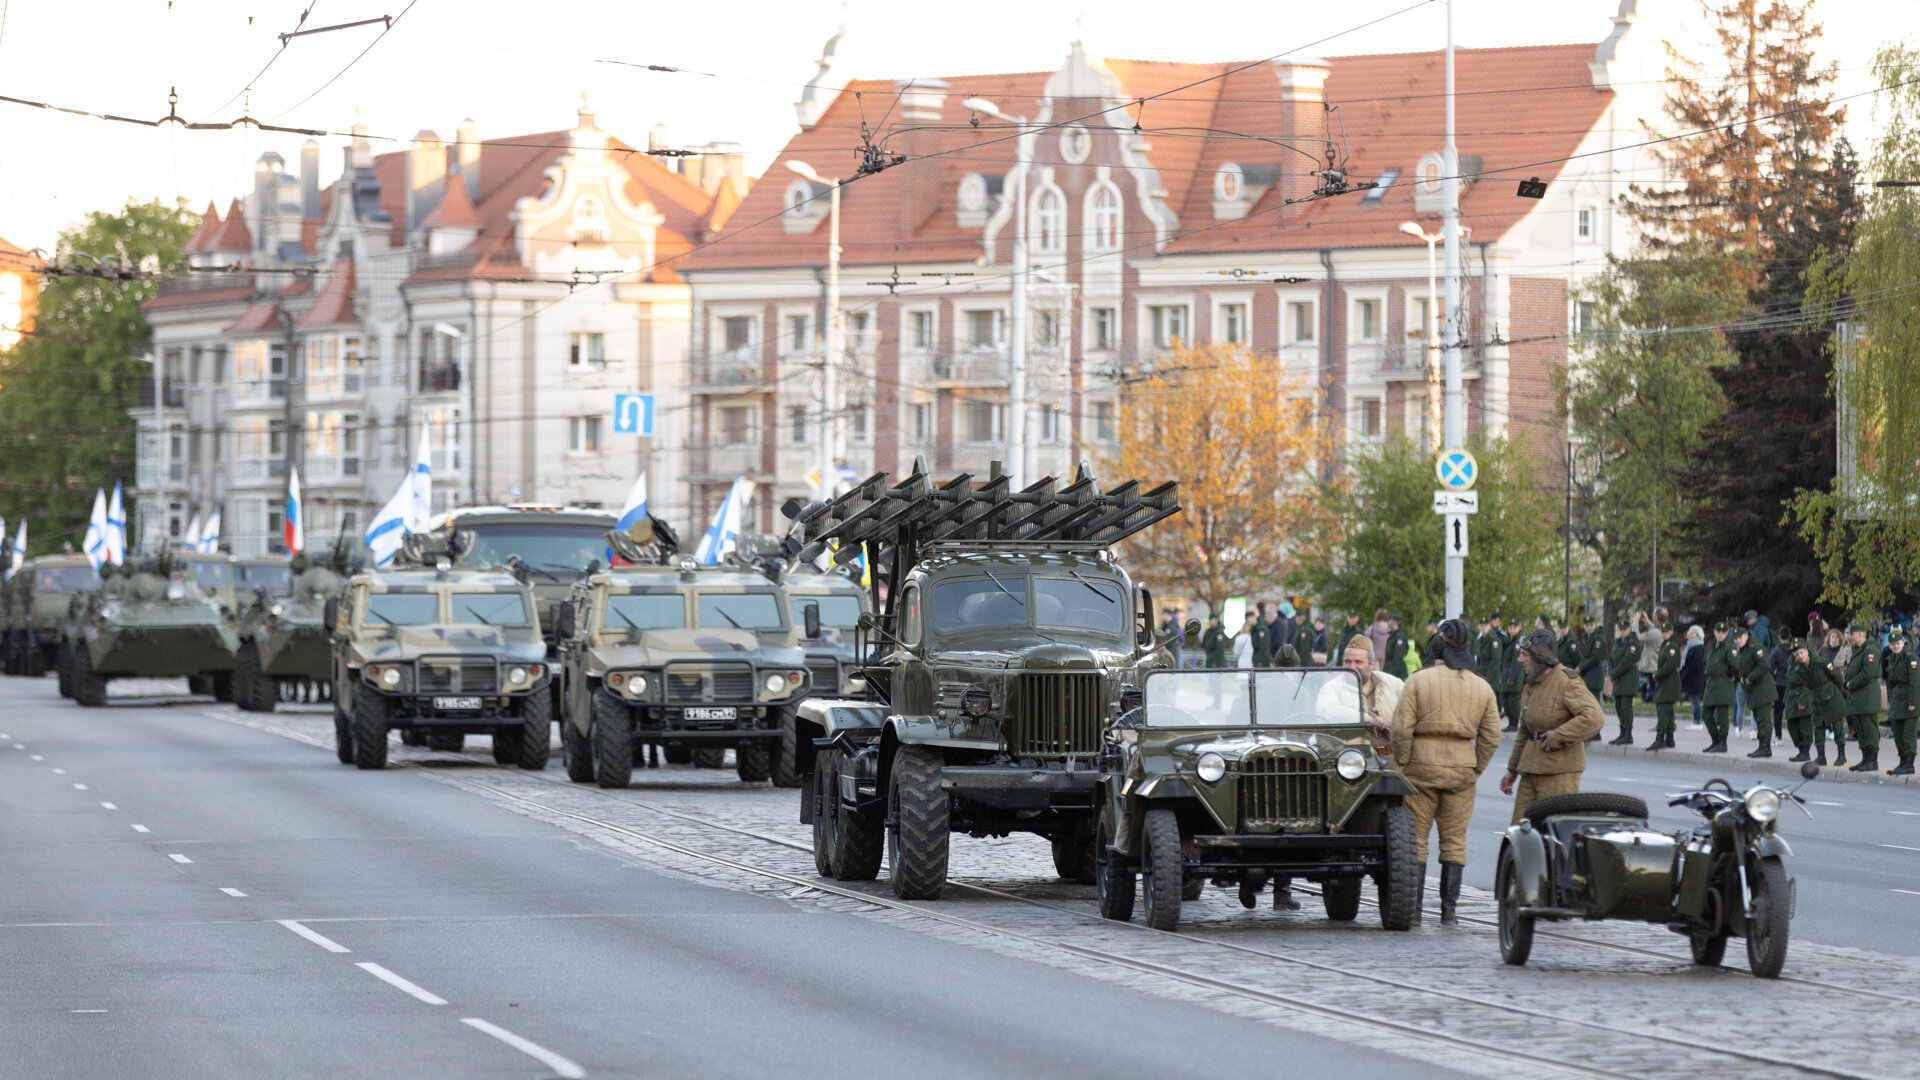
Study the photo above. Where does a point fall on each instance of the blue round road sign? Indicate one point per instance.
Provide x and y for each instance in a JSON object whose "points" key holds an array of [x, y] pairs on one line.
{"points": [[1456, 470]]}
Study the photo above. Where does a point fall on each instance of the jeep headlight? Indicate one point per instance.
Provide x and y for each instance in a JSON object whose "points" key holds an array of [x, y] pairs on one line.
{"points": [[630, 683], [386, 676], [856, 682], [390, 677], [516, 676], [1351, 764], [1211, 767], [1763, 804], [775, 683]]}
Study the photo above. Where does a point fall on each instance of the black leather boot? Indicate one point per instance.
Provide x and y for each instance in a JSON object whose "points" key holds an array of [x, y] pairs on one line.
{"points": [[1803, 755], [1822, 759], [1765, 750], [1869, 761], [1625, 738], [1450, 874], [1905, 768], [1839, 754]]}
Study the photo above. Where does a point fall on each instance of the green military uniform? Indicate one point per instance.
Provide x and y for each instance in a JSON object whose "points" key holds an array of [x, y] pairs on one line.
{"points": [[1395, 663], [1829, 708], [1750, 666], [1511, 679], [1623, 666], [1718, 700], [1486, 652], [1593, 662], [1262, 643], [1903, 703], [1798, 710], [1214, 644], [1572, 644], [1666, 689], [1862, 685]]}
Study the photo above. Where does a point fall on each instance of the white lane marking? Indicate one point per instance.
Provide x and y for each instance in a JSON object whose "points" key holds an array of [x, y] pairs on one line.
{"points": [[561, 1066], [1623, 780], [108, 806], [180, 858], [233, 892], [19, 746], [140, 828], [1908, 892], [1817, 802], [35, 757], [86, 1010], [58, 771], [391, 979], [326, 943], [79, 787], [1901, 847], [1902, 813]]}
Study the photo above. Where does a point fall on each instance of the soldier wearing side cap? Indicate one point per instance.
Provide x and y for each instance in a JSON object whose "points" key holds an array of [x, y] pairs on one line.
{"points": [[1666, 687], [1903, 700], [1557, 716], [1862, 685], [1755, 674]]}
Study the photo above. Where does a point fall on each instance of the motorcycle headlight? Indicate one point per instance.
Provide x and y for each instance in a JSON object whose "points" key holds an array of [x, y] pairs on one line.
{"points": [[1211, 767], [1763, 804], [516, 676], [776, 683], [1351, 764]]}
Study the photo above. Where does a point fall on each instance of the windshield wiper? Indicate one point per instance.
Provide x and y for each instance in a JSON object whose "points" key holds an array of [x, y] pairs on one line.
{"points": [[475, 612], [1003, 588], [1096, 589], [723, 614]]}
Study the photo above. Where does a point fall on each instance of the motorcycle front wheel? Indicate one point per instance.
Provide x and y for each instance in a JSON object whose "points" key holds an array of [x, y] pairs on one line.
{"points": [[1772, 915]]}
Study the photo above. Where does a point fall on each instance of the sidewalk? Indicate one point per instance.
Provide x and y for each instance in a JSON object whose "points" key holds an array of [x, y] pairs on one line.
{"points": [[1688, 745]]}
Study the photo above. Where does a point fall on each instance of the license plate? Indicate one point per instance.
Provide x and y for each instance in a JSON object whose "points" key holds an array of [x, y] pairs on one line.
{"points": [[727, 713], [454, 704]]}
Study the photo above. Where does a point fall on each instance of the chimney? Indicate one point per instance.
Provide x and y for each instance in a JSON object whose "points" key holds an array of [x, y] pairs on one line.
{"points": [[657, 140], [360, 150], [267, 172], [1303, 81], [719, 163], [920, 103], [426, 172], [467, 157], [310, 180]]}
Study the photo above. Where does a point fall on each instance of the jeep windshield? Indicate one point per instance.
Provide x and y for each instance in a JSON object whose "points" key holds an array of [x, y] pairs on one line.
{"points": [[545, 546], [638, 611], [836, 612], [1252, 698], [739, 611], [490, 608], [402, 609], [277, 580], [1008, 599], [66, 579]]}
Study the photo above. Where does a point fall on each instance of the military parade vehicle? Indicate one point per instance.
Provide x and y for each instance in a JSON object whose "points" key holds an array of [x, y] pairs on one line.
{"points": [[1593, 856], [36, 602], [1249, 775], [283, 636], [439, 652], [556, 543], [253, 575], [1004, 631], [663, 651], [827, 607], [149, 619], [212, 572]]}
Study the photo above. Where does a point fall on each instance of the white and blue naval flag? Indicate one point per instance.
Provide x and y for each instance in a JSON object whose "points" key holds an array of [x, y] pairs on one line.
{"points": [[409, 509], [94, 547], [209, 534], [724, 533], [190, 540], [19, 550], [116, 527]]}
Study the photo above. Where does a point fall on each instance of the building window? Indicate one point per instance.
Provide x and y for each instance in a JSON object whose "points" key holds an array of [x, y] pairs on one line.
{"points": [[589, 221], [1106, 328], [260, 371], [1417, 315], [219, 364], [798, 424], [1046, 329], [920, 422], [444, 424], [587, 350], [1106, 426], [1233, 324], [983, 330], [1106, 218], [1050, 221], [922, 330], [1366, 320], [983, 421], [1300, 322], [1367, 419], [737, 334], [859, 329], [583, 434], [1169, 324], [1586, 317], [1048, 423], [1583, 223], [860, 425], [799, 334], [736, 426]]}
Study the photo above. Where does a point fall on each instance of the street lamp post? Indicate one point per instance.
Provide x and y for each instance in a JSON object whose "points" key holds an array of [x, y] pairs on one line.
{"points": [[828, 379], [1016, 323]]}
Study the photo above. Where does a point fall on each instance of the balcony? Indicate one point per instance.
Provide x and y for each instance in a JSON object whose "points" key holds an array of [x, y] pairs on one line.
{"points": [[439, 378], [972, 367], [330, 469], [260, 391], [174, 395], [330, 385], [723, 462], [737, 371]]}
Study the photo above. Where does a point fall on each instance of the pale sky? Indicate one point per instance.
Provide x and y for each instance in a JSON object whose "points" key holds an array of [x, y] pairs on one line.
{"points": [[518, 68]]}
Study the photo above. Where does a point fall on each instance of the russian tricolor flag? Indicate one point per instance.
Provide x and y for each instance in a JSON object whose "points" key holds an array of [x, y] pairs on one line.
{"points": [[294, 528]]}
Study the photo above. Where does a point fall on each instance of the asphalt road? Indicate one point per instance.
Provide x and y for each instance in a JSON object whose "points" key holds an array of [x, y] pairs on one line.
{"points": [[185, 897], [1857, 860]]}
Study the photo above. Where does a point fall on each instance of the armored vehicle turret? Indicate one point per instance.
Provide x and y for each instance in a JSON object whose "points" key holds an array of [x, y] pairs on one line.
{"points": [[149, 620], [283, 634], [36, 603]]}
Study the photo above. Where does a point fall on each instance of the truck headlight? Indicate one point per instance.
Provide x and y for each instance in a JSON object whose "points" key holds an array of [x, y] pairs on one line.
{"points": [[976, 700], [1351, 764], [1763, 804], [1211, 767], [390, 677], [276, 610], [516, 676], [775, 683]]}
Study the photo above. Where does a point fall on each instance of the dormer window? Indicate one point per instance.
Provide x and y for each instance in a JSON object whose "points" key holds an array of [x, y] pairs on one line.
{"points": [[1226, 183], [805, 204], [1236, 188], [1426, 183], [973, 201], [589, 221]]}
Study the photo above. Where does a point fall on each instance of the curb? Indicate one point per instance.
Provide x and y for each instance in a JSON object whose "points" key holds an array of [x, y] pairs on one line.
{"points": [[1738, 762]]}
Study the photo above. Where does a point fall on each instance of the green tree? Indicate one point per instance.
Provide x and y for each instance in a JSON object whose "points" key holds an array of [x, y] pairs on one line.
{"points": [[65, 391], [1391, 555]]}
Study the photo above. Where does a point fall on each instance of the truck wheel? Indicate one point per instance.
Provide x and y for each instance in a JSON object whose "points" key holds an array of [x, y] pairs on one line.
{"points": [[66, 671], [753, 762], [826, 797], [447, 744], [1400, 886], [679, 755], [709, 759], [342, 737], [1161, 879], [89, 688], [858, 837], [786, 761], [1772, 916], [576, 753], [222, 685], [253, 691], [1112, 873], [35, 659], [1341, 897], [919, 810], [1516, 930], [612, 740], [371, 716], [506, 744], [536, 730], [1073, 856]]}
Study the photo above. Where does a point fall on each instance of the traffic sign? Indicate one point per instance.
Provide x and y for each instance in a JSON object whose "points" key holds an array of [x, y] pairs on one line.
{"points": [[1457, 470], [1457, 535], [1456, 502], [633, 414]]}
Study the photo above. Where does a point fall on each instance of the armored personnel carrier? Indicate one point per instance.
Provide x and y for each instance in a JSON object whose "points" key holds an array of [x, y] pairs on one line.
{"points": [[283, 636], [36, 603], [149, 620], [1005, 630]]}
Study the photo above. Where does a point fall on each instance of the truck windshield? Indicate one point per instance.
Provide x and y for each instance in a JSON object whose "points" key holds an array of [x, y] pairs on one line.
{"points": [[743, 611], [493, 609], [1079, 602], [66, 579], [402, 609], [277, 580], [1000, 600], [565, 549], [211, 576], [836, 612], [645, 611]]}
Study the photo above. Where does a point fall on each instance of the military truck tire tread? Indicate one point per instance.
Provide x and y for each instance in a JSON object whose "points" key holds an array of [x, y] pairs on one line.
{"points": [[576, 752], [506, 744], [1341, 898], [1163, 883], [824, 798], [922, 811], [786, 762], [709, 759], [1585, 802], [66, 671], [536, 729], [89, 689], [1116, 877], [1073, 859], [253, 691], [1400, 886], [753, 762], [612, 740], [859, 837], [342, 737], [371, 715]]}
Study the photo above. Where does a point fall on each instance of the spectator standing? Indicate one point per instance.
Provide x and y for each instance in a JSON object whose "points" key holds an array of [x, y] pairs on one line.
{"points": [[1243, 641], [1318, 652], [1215, 643], [1511, 679], [1378, 634], [1693, 672], [1648, 631], [1396, 661]]}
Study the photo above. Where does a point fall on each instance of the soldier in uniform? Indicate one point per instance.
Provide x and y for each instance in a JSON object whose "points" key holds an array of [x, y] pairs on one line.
{"points": [[1750, 666], [1572, 644], [1829, 704], [1510, 678], [1903, 703], [1623, 667], [1557, 715], [1486, 650], [1666, 687], [1718, 700], [1262, 639], [1444, 733], [1395, 663], [1797, 712], [1214, 643], [1862, 684]]}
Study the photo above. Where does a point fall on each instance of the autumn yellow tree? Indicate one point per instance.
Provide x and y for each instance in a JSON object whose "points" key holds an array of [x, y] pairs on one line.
{"points": [[1249, 444]]}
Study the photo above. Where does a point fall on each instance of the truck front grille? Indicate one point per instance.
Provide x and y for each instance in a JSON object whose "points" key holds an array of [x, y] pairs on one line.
{"points": [[697, 683], [1055, 715], [1282, 789], [457, 675], [825, 673]]}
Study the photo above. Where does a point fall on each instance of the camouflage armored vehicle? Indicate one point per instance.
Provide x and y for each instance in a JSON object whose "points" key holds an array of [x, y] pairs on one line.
{"points": [[1245, 776], [37, 599], [682, 656], [836, 602], [213, 573], [1006, 630], [283, 635], [149, 620], [438, 652], [556, 543]]}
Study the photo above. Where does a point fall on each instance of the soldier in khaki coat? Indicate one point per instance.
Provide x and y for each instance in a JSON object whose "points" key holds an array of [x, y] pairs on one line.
{"points": [[1445, 731], [1558, 714]]}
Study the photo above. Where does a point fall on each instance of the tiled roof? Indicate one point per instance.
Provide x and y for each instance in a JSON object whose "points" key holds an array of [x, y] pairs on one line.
{"points": [[233, 235], [209, 227], [334, 306], [256, 318], [456, 207], [226, 294]]}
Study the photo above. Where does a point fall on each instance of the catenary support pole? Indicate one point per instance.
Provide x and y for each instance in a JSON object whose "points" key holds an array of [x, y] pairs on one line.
{"points": [[1456, 416]]}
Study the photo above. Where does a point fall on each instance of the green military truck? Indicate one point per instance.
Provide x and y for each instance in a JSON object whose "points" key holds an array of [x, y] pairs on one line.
{"points": [[37, 599], [283, 633], [696, 659], [1005, 630], [837, 601], [149, 620]]}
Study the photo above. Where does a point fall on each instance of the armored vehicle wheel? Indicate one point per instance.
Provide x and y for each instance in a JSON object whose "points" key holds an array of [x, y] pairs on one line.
{"points": [[1341, 897], [371, 713], [253, 690], [753, 762], [342, 737], [856, 839], [612, 740], [89, 687], [709, 759], [786, 760], [536, 730], [1161, 880], [200, 684], [1516, 930], [576, 753], [1073, 857], [679, 755], [506, 745], [447, 744], [66, 671], [1400, 879], [1112, 873], [1772, 916], [222, 685], [919, 811], [1584, 802]]}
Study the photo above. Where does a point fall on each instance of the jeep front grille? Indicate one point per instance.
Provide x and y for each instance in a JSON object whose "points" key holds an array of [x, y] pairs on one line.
{"points": [[457, 675], [1055, 715], [825, 672], [1282, 789], [698, 683]]}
